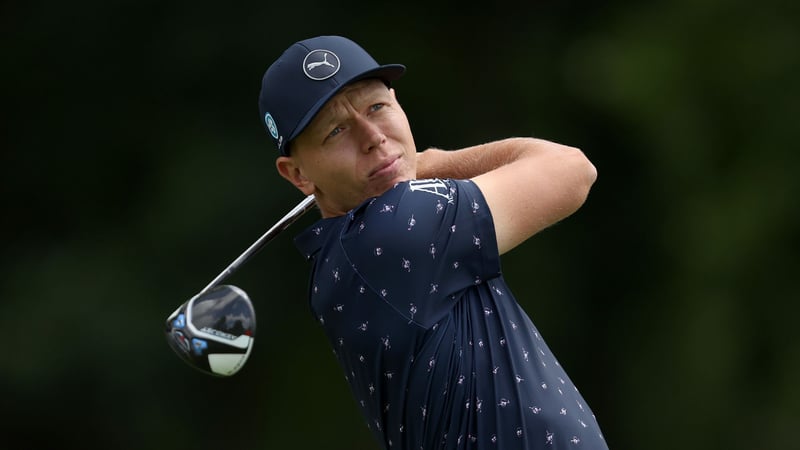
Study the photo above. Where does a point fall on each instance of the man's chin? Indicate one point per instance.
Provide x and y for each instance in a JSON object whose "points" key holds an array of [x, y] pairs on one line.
{"points": [[387, 184]]}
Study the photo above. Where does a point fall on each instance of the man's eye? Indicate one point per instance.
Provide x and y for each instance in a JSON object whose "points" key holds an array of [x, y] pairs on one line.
{"points": [[335, 131], [376, 106]]}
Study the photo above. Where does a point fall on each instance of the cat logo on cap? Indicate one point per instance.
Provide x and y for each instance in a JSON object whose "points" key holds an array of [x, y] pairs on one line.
{"points": [[320, 64]]}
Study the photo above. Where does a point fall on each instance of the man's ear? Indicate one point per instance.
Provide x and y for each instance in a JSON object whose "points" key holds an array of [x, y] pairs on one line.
{"points": [[289, 170]]}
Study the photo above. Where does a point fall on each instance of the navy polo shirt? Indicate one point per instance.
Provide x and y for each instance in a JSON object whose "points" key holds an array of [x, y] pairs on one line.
{"points": [[435, 348]]}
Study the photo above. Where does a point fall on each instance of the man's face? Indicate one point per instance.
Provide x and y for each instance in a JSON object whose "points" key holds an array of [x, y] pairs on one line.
{"points": [[358, 146]]}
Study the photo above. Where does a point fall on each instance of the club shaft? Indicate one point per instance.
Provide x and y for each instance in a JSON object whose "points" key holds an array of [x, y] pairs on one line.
{"points": [[276, 229]]}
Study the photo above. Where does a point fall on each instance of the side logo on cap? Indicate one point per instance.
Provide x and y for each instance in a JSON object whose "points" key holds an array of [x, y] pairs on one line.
{"points": [[320, 64], [271, 126]]}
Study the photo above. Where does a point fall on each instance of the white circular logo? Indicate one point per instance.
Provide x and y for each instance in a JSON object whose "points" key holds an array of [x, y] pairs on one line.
{"points": [[320, 64], [271, 126]]}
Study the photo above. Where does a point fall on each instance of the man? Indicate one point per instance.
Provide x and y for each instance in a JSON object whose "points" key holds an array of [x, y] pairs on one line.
{"points": [[406, 278]]}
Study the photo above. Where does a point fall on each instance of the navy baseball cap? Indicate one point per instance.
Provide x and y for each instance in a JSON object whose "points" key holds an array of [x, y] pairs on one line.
{"points": [[299, 83]]}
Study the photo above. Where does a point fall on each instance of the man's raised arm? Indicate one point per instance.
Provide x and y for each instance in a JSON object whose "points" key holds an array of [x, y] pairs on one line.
{"points": [[529, 184]]}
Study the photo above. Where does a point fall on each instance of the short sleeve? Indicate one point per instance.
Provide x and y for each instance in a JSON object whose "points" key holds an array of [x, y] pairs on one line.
{"points": [[421, 244]]}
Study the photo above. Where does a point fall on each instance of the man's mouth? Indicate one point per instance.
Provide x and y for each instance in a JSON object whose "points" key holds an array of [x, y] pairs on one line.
{"points": [[385, 167]]}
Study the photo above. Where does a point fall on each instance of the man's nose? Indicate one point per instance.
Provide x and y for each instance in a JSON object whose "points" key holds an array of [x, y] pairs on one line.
{"points": [[371, 134]]}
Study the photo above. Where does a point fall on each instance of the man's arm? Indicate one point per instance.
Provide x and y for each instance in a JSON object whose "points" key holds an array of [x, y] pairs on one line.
{"points": [[529, 184]]}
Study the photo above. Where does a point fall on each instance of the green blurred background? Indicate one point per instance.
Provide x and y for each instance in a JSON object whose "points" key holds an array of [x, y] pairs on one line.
{"points": [[135, 168]]}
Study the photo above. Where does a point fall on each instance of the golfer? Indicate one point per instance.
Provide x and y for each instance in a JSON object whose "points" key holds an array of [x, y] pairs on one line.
{"points": [[406, 274]]}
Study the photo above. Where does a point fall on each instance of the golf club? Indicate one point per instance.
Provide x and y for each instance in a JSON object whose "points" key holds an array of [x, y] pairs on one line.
{"points": [[214, 331]]}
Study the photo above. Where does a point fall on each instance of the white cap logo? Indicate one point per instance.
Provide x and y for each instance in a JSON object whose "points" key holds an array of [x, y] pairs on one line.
{"points": [[320, 64]]}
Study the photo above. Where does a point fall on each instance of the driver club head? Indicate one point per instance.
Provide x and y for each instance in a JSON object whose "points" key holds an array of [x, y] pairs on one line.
{"points": [[214, 331]]}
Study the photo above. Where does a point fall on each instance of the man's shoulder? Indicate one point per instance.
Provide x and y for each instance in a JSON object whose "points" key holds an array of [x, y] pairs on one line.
{"points": [[411, 195], [424, 190], [440, 188]]}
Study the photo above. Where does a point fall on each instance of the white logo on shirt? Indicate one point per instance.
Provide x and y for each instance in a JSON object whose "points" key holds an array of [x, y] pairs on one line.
{"points": [[432, 186]]}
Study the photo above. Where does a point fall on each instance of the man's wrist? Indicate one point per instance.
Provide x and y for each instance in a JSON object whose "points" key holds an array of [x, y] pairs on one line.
{"points": [[427, 161]]}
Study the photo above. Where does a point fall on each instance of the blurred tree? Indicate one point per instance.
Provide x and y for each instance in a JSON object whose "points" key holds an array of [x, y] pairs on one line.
{"points": [[135, 169]]}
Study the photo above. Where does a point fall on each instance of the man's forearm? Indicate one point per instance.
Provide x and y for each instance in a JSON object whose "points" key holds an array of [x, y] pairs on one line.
{"points": [[473, 161]]}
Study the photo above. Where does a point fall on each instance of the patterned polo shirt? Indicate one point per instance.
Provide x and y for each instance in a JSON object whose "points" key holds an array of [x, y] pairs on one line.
{"points": [[436, 350]]}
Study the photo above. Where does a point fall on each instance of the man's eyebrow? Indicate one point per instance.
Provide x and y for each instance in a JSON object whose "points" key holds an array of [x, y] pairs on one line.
{"points": [[326, 116]]}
